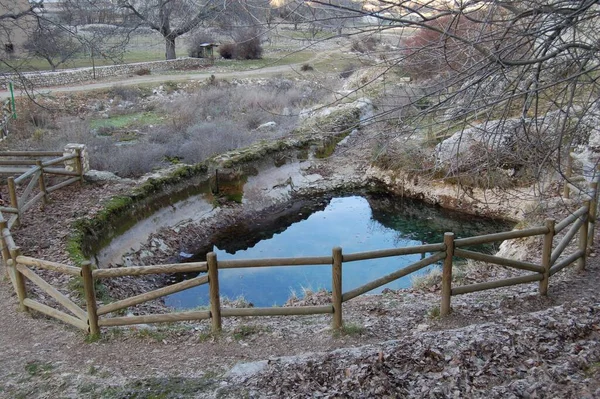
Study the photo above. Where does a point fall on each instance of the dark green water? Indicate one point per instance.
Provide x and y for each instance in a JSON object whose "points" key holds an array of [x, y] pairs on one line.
{"points": [[356, 223]]}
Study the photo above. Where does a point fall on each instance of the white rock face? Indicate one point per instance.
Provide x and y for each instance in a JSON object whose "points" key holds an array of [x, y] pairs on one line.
{"points": [[267, 126], [364, 106]]}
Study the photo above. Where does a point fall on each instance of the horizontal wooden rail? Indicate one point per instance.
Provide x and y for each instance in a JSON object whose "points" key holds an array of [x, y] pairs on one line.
{"points": [[154, 318], [17, 162], [148, 296], [393, 276], [566, 240], [30, 172], [466, 289], [384, 253], [8, 209], [57, 314], [47, 265], [13, 170], [463, 253], [53, 292], [63, 184], [59, 160], [570, 219], [279, 311], [566, 262], [306, 261], [143, 270], [61, 172], [30, 153], [507, 235]]}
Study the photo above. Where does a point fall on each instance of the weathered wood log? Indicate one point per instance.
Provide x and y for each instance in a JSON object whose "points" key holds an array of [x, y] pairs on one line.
{"points": [[53, 292], [90, 299], [566, 240], [26, 175], [42, 182], [532, 267], [57, 314], [148, 296], [30, 153], [336, 287], [32, 202], [506, 235], [54, 266], [157, 269], [8, 209], [214, 295], [592, 214], [565, 262], [568, 173], [393, 276], [19, 281], [306, 261], [570, 219], [63, 184], [418, 249], [547, 257], [465, 289], [154, 318], [17, 162], [27, 192], [56, 161], [14, 200], [447, 274], [278, 311], [583, 240]]}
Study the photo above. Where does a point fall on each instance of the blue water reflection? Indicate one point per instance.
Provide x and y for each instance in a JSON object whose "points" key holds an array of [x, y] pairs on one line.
{"points": [[349, 222]]}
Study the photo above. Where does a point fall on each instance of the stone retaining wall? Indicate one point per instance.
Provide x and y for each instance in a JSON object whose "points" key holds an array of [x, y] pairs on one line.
{"points": [[73, 76]]}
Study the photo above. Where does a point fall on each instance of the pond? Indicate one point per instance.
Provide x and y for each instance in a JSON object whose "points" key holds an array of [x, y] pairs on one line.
{"points": [[356, 223]]}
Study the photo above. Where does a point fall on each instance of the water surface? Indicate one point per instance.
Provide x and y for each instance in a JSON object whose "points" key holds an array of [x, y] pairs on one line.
{"points": [[355, 223]]}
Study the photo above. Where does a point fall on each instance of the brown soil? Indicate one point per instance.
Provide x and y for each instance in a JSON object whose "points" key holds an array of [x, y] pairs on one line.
{"points": [[42, 358]]}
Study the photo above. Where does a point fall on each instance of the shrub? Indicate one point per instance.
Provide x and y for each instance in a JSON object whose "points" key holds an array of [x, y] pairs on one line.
{"points": [[247, 44], [125, 93], [347, 71], [227, 51], [142, 71], [364, 45], [306, 67]]}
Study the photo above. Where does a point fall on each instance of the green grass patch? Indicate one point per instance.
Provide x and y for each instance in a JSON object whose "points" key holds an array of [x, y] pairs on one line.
{"points": [[37, 368], [349, 329], [129, 120]]}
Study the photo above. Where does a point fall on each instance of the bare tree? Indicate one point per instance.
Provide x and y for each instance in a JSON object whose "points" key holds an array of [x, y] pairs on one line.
{"points": [[162, 15], [520, 77], [53, 43]]}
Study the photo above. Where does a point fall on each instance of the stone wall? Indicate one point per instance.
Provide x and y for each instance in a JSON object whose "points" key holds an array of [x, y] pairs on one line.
{"points": [[74, 76]]}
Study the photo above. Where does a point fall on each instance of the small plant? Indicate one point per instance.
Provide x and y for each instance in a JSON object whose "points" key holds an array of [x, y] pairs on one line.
{"points": [[227, 51], [306, 68], [434, 312], [36, 368], [143, 71], [243, 331], [364, 45], [247, 44], [349, 329]]}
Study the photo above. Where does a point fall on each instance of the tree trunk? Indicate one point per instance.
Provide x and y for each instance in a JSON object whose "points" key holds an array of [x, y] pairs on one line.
{"points": [[170, 54]]}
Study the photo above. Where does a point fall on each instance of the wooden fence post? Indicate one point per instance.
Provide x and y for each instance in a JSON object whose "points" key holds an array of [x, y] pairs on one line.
{"points": [[336, 287], [42, 182], [215, 299], [583, 239], [592, 215], [3, 247], [19, 280], [79, 164], [546, 255], [568, 173], [14, 201], [447, 274], [90, 299]]}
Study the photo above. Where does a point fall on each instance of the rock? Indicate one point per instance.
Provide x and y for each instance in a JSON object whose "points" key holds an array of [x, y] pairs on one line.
{"points": [[267, 126], [100, 176]]}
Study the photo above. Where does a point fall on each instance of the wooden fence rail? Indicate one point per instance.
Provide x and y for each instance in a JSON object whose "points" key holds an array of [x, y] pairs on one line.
{"points": [[35, 171], [91, 319]]}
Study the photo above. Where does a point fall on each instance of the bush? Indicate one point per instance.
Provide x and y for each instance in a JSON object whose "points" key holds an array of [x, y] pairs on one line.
{"points": [[143, 71], [364, 45], [247, 44], [306, 67], [227, 51]]}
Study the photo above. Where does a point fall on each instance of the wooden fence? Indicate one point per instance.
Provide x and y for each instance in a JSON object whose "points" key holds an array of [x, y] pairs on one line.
{"points": [[32, 169], [579, 225]]}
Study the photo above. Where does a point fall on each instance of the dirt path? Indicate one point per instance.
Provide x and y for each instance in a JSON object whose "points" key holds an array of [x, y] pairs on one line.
{"points": [[160, 78]]}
